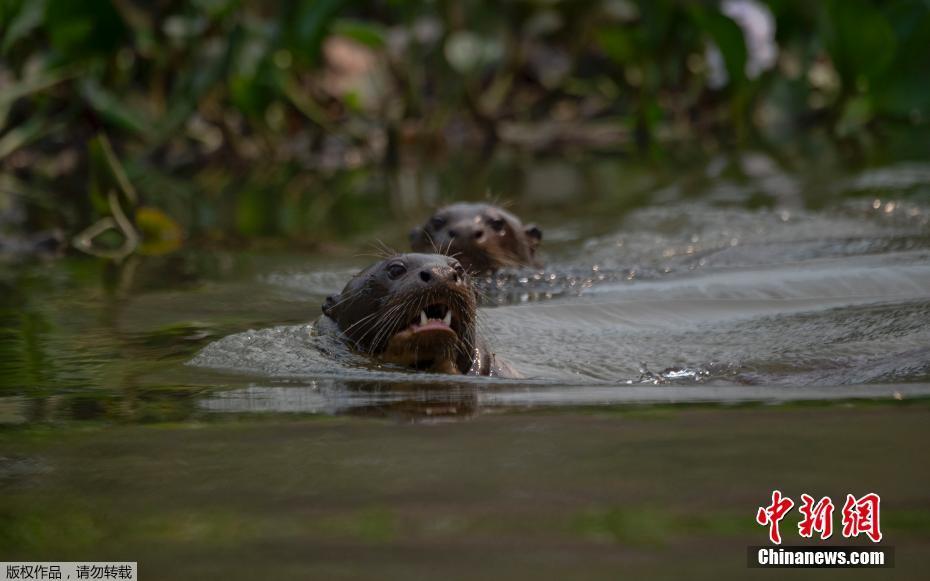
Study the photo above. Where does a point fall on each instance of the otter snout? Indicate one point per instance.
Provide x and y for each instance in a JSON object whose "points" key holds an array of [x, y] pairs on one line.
{"points": [[440, 275], [466, 233], [467, 240]]}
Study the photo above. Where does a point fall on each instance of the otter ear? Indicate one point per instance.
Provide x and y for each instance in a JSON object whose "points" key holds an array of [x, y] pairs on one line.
{"points": [[534, 234], [328, 305]]}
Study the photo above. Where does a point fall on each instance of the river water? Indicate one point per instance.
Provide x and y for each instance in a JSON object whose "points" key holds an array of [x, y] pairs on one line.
{"points": [[680, 301], [178, 411]]}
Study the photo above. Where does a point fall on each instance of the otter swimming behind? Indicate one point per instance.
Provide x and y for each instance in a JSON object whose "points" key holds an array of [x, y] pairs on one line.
{"points": [[413, 310], [483, 237]]}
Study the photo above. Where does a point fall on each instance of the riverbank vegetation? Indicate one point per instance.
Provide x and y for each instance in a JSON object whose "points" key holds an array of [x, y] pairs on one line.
{"points": [[123, 122]]}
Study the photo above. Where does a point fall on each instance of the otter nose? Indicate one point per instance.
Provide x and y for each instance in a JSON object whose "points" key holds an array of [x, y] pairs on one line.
{"points": [[466, 231], [439, 274]]}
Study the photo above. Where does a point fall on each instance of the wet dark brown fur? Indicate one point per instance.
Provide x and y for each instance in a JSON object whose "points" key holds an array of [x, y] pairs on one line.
{"points": [[483, 237], [377, 312]]}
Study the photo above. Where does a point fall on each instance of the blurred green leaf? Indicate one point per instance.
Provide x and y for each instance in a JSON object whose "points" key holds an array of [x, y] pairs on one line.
{"points": [[34, 84], [904, 89], [24, 23], [206, 69], [84, 28], [616, 43], [161, 234], [368, 33], [905, 96], [303, 102], [100, 179], [655, 23], [857, 112], [306, 24], [728, 37], [115, 110], [216, 8], [859, 39], [19, 136], [256, 211]]}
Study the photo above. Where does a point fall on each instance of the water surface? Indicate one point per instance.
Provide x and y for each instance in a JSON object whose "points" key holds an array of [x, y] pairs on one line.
{"points": [[696, 339]]}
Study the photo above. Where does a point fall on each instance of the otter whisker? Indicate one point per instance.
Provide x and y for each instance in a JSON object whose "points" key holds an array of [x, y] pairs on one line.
{"points": [[379, 324], [387, 251], [362, 320], [349, 297], [432, 242], [388, 330], [385, 330], [448, 248]]}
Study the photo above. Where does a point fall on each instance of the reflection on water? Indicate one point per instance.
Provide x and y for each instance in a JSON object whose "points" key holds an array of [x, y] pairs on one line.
{"points": [[398, 400]]}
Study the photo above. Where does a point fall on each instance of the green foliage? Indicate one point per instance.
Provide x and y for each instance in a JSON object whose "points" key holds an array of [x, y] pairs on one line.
{"points": [[728, 37], [188, 86], [82, 30], [859, 39], [306, 24]]}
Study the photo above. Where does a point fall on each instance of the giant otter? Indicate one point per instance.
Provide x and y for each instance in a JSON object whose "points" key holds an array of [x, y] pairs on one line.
{"points": [[483, 237], [413, 310]]}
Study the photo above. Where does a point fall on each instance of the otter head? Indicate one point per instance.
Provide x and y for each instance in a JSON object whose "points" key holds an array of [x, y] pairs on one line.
{"points": [[484, 238], [415, 310]]}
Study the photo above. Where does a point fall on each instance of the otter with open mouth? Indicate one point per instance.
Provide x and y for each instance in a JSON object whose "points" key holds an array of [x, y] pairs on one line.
{"points": [[483, 237], [413, 310]]}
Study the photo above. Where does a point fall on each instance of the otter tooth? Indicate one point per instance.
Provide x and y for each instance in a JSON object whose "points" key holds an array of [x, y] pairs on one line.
{"points": [[448, 318], [423, 318]]}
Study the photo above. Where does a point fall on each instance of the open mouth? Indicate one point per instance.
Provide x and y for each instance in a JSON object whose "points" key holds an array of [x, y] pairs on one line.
{"points": [[435, 317], [431, 339]]}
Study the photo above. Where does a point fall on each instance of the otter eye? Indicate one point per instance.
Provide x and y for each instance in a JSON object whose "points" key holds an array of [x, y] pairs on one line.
{"points": [[395, 270], [497, 224], [458, 268], [436, 222]]}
